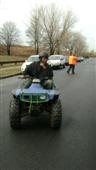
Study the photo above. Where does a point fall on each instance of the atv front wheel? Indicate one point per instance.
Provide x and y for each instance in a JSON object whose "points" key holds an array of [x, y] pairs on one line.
{"points": [[14, 113], [56, 114]]}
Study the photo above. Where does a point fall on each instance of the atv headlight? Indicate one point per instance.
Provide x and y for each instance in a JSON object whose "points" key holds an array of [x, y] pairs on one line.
{"points": [[42, 97]]}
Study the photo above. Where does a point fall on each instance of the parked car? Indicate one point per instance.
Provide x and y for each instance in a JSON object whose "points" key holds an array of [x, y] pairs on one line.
{"points": [[66, 60], [30, 60], [80, 58], [57, 61]]}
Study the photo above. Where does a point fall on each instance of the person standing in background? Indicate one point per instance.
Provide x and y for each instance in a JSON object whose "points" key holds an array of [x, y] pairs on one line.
{"points": [[72, 63]]}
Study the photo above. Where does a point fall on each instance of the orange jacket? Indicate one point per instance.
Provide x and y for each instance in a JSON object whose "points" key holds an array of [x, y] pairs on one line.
{"points": [[72, 59]]}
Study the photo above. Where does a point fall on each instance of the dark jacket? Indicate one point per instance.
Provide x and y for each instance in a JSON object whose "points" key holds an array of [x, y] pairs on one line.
{"points": [[36, 71]]}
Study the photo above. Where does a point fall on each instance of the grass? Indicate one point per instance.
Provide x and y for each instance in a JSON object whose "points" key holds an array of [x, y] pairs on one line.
{"points": [[10, 71], [11, 58]]}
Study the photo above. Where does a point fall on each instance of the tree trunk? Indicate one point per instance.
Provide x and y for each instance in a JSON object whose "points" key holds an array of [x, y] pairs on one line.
{"points": [[8, 49]]}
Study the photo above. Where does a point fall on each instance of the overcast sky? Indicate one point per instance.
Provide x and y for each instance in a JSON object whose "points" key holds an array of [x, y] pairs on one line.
{"points": [[19, 12]]}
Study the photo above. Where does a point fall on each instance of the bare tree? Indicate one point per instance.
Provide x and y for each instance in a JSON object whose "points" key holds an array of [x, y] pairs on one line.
{"points": [[76, 42], [51, 26], [34, 31], [50, 29], [68, 22], [43, 28], [57, 26], [9, 35]]}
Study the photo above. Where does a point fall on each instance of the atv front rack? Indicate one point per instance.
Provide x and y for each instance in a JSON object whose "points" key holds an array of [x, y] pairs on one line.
{"points": [[34, 98]]}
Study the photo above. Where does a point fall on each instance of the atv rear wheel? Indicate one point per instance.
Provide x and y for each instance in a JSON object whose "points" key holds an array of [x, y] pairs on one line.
{"points": [[56, 114], [14, 113]]}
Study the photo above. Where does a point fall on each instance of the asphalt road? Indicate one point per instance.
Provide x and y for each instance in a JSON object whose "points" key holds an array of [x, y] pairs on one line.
{"points": [[36, 146]]}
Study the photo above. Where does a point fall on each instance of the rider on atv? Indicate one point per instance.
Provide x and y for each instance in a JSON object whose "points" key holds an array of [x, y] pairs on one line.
{"points": [[37, 95], [40, 70]]}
